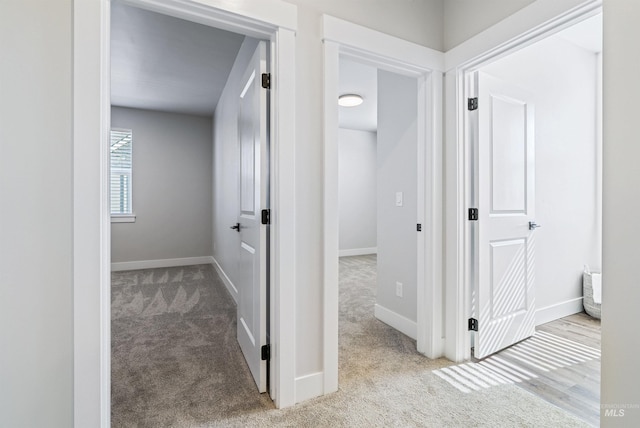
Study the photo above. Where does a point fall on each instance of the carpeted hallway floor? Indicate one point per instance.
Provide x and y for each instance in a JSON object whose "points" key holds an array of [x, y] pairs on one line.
{"points": [[175, 363]]}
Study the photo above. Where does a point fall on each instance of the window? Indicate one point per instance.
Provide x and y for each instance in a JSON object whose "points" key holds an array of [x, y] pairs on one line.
{"points": [[121, 163]]}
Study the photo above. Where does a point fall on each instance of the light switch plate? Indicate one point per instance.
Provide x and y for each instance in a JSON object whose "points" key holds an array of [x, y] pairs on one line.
{"points": [[399, 197]]}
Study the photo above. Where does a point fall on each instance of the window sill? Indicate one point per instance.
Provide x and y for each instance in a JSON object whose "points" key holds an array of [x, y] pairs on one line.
{"points": [[130, 218]]}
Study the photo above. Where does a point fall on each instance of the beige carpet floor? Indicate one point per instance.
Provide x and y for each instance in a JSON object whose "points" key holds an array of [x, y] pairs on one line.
{"points": [[175, 363]]}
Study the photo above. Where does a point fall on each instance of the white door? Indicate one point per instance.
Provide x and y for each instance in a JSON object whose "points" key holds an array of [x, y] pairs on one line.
{"points": [[254, 185], [505, 257]]}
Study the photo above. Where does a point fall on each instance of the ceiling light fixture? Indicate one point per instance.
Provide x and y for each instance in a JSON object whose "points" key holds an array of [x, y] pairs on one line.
{"points": [[350, 100]]}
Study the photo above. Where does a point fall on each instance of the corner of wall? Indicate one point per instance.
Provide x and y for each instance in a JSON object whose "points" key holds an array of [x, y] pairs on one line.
{"points": [[231, 288]]}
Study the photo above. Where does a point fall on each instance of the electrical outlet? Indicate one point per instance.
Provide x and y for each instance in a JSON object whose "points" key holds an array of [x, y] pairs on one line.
{"points": [[399, 289]]}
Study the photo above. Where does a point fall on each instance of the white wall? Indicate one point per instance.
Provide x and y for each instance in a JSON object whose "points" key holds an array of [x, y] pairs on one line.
{"points": [[621, 293], [397, 172], [171, 187], [357, 191], [36, 214], [563, 79], [226, 165]]}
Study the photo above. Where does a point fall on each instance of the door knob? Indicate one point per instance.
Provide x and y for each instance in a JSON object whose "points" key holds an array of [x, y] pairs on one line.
{"points": [[533, 225], [236, 227]]}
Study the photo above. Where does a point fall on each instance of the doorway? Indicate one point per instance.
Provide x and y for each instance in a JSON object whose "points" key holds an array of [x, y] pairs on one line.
{"points": [[462, 169], [92, 299], [182, 90], [562, 143], [378, 193], [343, 40], [463, 62], [541, 170]]}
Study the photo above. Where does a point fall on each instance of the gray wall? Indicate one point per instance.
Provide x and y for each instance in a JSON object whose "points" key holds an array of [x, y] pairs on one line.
{"points": [[171, 187], [357, 156], [226, 167], [566, 165], [466, 18], [417, 21], [36, 295], [397, 172], [620, 293]]}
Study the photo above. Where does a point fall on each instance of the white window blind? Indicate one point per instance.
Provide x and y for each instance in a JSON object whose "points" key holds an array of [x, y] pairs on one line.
{"points": [[121, 151]]}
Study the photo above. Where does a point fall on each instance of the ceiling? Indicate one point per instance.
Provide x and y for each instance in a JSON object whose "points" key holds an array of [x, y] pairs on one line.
{"points": [[586, 34], [164, 63], [356, 78], [159, 62]]}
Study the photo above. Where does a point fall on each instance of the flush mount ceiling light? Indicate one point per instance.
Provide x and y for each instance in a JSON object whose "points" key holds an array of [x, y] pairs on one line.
{"points": [[350, 100]]}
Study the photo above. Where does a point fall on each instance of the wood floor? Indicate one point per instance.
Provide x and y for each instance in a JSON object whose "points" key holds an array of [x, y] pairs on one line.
{"points": [[565, 357], [560, 364]]}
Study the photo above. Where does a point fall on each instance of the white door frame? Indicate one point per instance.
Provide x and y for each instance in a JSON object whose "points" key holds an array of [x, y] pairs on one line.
{"points": [[273, 20], [342, 38], [541, 19]]}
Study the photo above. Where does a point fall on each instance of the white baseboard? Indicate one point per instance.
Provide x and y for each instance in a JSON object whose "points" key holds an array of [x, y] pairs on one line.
{"points": [[162, 263], [397, 321], [309, 386], [559, 310], [227, 281], [358, 252]]}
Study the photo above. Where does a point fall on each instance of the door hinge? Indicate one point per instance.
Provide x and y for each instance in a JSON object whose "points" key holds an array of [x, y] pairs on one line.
{"points": [[266, 80], [265, 352], [266, 216], [473, 214], [419, 227], [472, 103], [473, 324]]}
